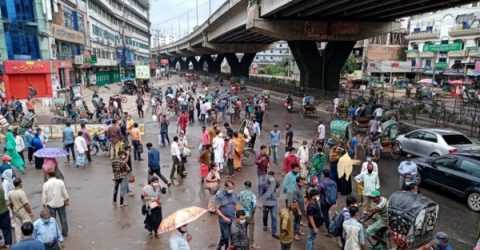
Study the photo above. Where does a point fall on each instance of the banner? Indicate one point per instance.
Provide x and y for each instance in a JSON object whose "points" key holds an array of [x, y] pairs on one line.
{"points": [[142, 72]]}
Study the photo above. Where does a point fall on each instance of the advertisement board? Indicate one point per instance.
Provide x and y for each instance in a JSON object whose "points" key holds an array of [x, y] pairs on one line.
{"points": [[142, 72]]}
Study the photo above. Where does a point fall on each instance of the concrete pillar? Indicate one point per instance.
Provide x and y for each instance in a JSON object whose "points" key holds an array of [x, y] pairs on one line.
{"points": [[183, 64], [214, 64], [240, 68], [320, 71], [197, 66]]}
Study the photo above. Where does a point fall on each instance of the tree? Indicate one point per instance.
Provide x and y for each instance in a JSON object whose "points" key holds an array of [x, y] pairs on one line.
{"points": [[350, 65]]}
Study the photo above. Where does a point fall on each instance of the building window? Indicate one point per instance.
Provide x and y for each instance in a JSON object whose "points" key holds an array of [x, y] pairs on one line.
{"points": [[414, 46], [416, 30], [442, 60], [429, 28], [414, 62], [428, 63], [68, 18], [444, 42]]}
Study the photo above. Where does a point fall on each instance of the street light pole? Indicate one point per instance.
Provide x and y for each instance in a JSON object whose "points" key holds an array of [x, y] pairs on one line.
{"points": [[209, 7], [196, 3]]}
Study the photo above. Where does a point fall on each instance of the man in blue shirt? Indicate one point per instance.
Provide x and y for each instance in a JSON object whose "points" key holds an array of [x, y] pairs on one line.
{"points": [[69, 140], [46, 230], [28, 242], [226, 202], [27, 138], [274, 142], [154, 163]]}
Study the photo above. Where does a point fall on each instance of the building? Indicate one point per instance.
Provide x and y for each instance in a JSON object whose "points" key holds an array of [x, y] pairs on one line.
{"points": [[279, 52], [24, 48], [383, 57], [119, 38], [445, 44]]}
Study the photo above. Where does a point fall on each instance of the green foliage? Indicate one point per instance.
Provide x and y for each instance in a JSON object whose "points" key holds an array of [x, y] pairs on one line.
{"points": [[274, 70], [350, 65]]}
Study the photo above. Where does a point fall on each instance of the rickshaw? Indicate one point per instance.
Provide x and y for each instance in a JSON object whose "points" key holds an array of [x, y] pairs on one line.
{"points": [[341, 130], [308, 106], [384, 142], [412, 219]]}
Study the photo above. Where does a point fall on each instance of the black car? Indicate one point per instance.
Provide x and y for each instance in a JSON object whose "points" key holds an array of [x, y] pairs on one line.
{"points": [[458, 173]]}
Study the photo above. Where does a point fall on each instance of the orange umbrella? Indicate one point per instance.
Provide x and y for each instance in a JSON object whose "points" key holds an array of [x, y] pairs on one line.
{"points": [[180, 218]]}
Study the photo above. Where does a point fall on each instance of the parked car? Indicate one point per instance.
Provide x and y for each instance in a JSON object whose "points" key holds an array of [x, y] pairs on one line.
{"points": [[458, 173], [435, 142]]}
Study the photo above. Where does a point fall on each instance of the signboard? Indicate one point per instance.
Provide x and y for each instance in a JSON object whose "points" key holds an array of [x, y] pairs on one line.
{"points": [[66, 34], [78, 60], [26, 67], [164, 61], [142, 72], [428, 47], [389, 66]]}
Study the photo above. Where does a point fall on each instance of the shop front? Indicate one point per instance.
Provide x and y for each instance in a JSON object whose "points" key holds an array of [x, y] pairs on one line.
{"points": [[105, 76], [20, 74]]}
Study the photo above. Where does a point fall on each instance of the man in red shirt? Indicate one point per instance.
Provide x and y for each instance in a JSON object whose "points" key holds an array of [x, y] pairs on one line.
{"points": [[183, 122], [290, 159], [262, 162]]}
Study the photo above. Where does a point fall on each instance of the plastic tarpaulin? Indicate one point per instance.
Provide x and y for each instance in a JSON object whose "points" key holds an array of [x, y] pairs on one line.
{"points": [[413, 216], [340, 129]]}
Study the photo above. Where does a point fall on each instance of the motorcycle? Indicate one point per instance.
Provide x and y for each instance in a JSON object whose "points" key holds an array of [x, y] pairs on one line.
{"points": [[289, 105], [100, 142], [129, 87]]}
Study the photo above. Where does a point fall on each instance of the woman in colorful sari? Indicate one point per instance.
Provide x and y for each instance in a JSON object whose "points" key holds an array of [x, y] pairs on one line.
{"points": [[10, 149], [239, 146]]}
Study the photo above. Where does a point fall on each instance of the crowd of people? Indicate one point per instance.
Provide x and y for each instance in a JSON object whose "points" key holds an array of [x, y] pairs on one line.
{"points": [[296, 190]]}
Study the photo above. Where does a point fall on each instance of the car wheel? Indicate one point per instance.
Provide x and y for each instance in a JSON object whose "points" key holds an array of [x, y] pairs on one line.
{"points": [[473, 201], [434, 155]]}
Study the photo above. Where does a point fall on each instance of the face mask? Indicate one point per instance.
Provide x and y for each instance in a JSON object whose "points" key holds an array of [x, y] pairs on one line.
{"points": [[46, 221], [182, 230], [295, 173], [156, 184], [230, 191], [242, 221]]}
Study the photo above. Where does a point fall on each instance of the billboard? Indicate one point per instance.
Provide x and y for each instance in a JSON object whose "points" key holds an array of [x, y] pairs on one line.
{"points": [[142, 72]]}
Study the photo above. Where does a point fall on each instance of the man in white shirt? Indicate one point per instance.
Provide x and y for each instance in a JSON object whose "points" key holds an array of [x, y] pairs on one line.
{"points": [[177, 165], [81, 147], [303, 155], [378, 113], [368, 162], [321, 132], [371, 183], [55, 197], [218, 150]]}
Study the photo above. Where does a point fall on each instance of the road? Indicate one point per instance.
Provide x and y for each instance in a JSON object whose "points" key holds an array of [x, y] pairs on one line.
{"points": [[96, 224]]}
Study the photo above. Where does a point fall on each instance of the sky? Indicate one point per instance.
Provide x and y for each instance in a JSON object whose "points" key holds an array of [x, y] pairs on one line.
{"points": [[172, 16]]}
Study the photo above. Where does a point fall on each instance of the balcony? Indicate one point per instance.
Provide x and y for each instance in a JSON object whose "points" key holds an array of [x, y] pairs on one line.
{"points": [[441, 66], [412, 53], [459, 53], [461, 31], [474, 51], [425, 35]]}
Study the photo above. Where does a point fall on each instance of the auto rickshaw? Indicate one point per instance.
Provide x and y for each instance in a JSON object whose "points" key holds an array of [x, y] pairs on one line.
{"points": [[308, 106]]}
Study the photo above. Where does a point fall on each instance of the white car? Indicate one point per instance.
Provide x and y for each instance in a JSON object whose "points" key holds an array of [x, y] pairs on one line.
{"points": [[435, 142]]}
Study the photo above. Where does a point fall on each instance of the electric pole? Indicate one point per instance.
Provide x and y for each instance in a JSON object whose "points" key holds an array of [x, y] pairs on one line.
{"points": [[197, 10]]}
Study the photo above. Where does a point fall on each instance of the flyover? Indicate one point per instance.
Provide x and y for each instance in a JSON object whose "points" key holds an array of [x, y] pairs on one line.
{"points": [[245, 27]]}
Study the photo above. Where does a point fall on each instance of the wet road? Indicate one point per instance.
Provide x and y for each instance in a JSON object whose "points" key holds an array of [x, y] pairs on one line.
{"points": [[96, 224]]}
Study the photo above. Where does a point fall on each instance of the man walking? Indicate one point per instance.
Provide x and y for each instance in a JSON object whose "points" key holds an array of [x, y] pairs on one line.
{"points": [[55, 197], [21, 208], [120, 171], [177, 165], [136, 142], [88, 140], [46, 230], [268, 197], [164, 130], [274, 143], [287, 216], [154, 163], [248, 202], [68, 141], [262, 162], [328, 195], [314, 217], [226, 201], [114, 134], [5, 222], [28, 137], [140, 102]]}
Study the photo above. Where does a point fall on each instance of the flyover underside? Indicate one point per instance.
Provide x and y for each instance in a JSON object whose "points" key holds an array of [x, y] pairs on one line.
{"points": [[242, 35], [353, 10]]}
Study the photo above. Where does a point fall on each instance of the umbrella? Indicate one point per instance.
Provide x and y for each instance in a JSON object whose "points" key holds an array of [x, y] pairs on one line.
{"points": [[180, 218], [427, 81], [51, 153]]}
